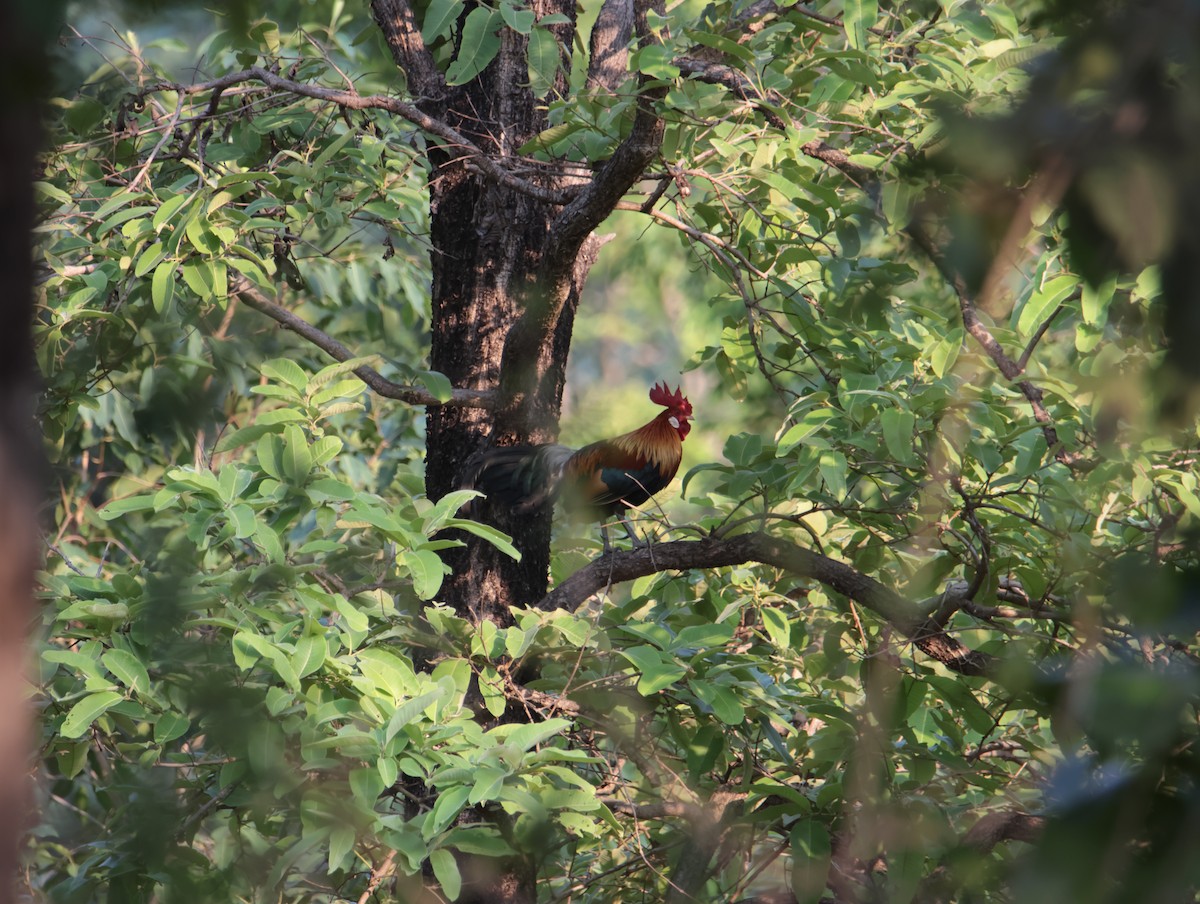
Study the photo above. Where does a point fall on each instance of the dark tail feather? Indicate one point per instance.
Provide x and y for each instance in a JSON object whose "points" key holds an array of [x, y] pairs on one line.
{"points": [[520, 478]]}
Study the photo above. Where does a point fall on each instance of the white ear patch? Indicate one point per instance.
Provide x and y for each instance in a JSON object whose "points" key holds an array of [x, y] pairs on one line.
{"points": [[673, 421]]}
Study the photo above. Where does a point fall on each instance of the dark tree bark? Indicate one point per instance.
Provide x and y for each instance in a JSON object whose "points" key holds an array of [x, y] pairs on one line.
{"points": [[508, 269]]}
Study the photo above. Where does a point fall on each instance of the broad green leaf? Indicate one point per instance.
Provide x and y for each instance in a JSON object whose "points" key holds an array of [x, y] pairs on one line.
{"points": [[445, 870], [449, 804], [478, 46], [287, 371], [81, 716], [858, 17], [810, 423], [162, 286], [407, 711], [426, 569], [1042, 303], [656, 672], [341, 847], [545, 57], [498, 539], [898, 426], [526, 737], [812, 853], [128, 668], [310, 653], [776, 623], [519, 20], [439, 16], [169, 726]]}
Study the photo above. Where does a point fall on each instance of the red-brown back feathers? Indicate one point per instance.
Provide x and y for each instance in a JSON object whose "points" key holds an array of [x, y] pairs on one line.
{"points": [[599, 480]]}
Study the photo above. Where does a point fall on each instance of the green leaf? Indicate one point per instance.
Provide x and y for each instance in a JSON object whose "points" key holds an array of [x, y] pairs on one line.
{"points": [[1043, 301], [519, 20], [858, 17], [898, 426], [170, 726], [167, 209], [528, 736], [115, 508], [488, 782], [963, 703], [81, 716], [491, 687], [778, 629], [1096, 299], [545, 57], [341, 847], [656, 672], [497, 538], [410, 709], [426, 569], [478, 46], [437, 383], [309, 655], [440, 15], [812, 853], [128, 669], [287, 371], [445, 870], [724, 702], [946, 352], [162, 286], [810, 423], [296, 459], [449, 805]]}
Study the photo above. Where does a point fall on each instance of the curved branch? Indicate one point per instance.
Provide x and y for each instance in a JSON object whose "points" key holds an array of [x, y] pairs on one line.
{"points": [[413, 395], [457, 145], [902, 614]]}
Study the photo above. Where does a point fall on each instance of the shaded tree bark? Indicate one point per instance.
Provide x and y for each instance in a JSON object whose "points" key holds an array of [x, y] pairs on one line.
{"points": [[508, 268]]}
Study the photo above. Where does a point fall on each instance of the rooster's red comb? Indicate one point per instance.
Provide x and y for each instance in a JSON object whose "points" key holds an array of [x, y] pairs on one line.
{"points": [[661, 395]]}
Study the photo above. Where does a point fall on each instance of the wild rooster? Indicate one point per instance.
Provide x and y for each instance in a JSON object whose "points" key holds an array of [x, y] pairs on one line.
{"points": [[599, 481]]}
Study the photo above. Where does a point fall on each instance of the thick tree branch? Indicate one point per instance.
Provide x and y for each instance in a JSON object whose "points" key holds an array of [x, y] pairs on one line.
{"points": [[991, 829], [403, 35], [252, 297], [900, 613], [457, 145], [608, 63], [534, 330]]}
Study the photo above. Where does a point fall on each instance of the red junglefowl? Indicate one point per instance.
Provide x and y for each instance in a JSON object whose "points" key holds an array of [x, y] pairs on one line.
{"points": [[598, 481]]}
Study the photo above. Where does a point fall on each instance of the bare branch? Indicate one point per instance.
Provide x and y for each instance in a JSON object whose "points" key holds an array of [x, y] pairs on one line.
{"points": [[252, 297], [457, 145], [1023, 361], [902, 614]]}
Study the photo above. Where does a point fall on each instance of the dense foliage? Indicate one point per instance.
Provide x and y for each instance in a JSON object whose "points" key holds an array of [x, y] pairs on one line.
{"points": [[923, 336]]}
